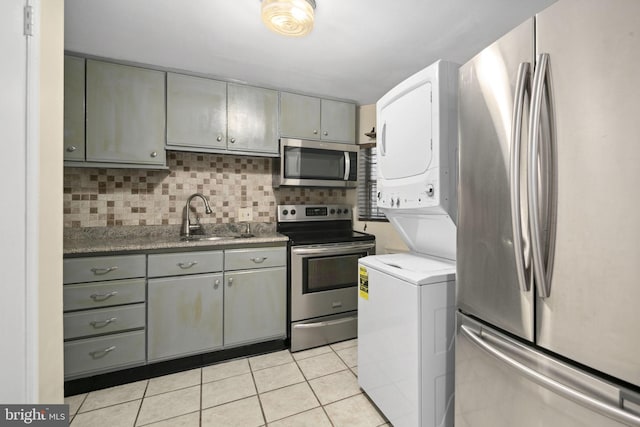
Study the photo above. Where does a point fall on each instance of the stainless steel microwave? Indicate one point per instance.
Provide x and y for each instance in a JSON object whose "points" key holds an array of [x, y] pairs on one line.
{"points": [[306, 163]]}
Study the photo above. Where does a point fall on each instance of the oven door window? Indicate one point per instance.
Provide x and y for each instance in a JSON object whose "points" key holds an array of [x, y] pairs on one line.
{"points": [[331, 272]]}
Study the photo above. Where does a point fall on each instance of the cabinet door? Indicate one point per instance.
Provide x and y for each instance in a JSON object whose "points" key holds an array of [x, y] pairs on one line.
{"points": [[196, 111], [252, 119], [73, 108], [299, 116], [125, 114], [184, 315], [338, 121], [255, 305]]}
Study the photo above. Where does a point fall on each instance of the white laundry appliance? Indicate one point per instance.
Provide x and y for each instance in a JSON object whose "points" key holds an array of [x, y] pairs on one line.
{"points": [[406, 303]]}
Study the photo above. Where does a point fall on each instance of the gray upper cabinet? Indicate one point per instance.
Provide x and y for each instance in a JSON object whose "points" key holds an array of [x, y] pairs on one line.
{"points": [[210, 115], [196, 112], [299, 116], [125, 114], [338, 121], [252, 119], [308, 117], [73, 108]]}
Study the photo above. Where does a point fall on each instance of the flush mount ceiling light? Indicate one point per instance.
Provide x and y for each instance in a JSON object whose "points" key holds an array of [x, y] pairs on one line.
{"points": [[292, 18]]}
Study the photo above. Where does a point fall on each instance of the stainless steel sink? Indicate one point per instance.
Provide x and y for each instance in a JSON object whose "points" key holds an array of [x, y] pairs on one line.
{"points": [[197, 238], [201, 237]]}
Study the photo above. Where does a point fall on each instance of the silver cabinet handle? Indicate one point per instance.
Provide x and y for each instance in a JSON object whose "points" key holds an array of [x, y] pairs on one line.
{"points": [[101, 353], [97, 324], [315, 131], [216, 284], [557, 387], [219, 138], [186, 265], [154, 154], [259, 260], [325, 133], [230, 281], [522, 86], [232, 140], [539, 174], [102, 271], [103, 297], [71, 148]]}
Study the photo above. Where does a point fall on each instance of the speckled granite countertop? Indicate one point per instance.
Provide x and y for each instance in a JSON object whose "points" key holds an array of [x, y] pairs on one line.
{"points": [[152, 238]]}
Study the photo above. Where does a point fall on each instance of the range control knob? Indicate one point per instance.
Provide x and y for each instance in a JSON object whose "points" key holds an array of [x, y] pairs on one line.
{"points": [[398, 202], [285, 212], [346, 211], [392, 201], [293, 211], [332, 211], [339, 211]]}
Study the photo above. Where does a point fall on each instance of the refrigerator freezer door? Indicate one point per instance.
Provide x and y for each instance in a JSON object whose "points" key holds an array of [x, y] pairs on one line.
{"points": [[488, 285], [592, 315], [502, 383]]}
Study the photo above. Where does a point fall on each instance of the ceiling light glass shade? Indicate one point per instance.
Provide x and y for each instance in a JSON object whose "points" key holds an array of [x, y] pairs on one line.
{"points": [[288, 17]]}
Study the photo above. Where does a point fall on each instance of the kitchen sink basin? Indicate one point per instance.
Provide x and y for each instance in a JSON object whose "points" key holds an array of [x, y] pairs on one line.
{"points": [[205, 237]]}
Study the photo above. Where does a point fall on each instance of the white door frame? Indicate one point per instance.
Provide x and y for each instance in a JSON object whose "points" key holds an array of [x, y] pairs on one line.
{"points": [[19, 113]]}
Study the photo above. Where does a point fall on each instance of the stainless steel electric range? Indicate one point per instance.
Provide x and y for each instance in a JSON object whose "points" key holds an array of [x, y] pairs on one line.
{"points": [[323, 272]]}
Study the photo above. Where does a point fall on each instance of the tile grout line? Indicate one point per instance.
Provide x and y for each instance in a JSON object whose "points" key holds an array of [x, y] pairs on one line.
{"points": [[253, 378]]}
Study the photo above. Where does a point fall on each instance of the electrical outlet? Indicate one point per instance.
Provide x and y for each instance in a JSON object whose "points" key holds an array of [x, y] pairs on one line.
{"points": [[245, 214]]}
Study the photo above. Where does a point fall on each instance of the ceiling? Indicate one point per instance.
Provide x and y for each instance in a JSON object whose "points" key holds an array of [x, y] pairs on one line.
{"points": [[358, 49]]}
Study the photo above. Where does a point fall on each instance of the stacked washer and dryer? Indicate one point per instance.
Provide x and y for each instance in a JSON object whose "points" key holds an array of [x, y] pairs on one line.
{"points": [[406, 303]]}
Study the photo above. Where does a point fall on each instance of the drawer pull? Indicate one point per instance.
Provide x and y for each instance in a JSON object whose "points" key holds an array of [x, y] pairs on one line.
{"points": [[102, 271], [186, 265], [102, 323], [259, 259], [103, 297], [101, 353]]}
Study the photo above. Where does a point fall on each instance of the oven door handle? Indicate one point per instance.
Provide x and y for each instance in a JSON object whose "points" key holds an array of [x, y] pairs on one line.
{"points": [[325, 323], [331, 250]]}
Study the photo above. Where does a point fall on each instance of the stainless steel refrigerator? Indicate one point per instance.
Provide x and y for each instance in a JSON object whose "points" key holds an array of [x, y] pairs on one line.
{"points": [[548, 270]]}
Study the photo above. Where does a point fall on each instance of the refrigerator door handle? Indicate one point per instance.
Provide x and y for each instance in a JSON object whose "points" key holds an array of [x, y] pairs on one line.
{"points": [[540, 174], [522, 86], [383, 140], [568, 392]]}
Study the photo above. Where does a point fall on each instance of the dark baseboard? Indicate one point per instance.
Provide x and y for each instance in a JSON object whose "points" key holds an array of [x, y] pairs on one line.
{"points": [[152, 370]]}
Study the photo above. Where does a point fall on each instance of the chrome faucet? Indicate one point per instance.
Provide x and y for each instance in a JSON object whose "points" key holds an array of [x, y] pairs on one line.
{"points": [[187, 226]]}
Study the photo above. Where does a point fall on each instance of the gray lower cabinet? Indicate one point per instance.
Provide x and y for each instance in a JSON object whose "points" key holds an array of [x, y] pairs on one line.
{"points": [[255, 295], [254, 305], [185, 304], [104, 314], [185, 315]]}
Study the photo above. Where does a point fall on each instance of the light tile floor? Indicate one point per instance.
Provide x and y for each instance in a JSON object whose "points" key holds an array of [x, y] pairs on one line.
{"points": [[315, 388]]}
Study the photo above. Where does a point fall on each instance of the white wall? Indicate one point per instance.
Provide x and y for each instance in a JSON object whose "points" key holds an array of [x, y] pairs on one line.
{"points": [[387, 239]]}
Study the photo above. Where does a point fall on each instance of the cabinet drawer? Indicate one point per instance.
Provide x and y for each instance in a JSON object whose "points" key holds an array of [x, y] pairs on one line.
{"points": [[103, 294], [99, 354], [242, 259], [93, 269], [184, 263], [103, 321]]}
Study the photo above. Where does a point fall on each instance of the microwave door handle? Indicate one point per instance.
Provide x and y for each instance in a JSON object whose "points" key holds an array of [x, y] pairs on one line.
{"points": [[347, 165]]}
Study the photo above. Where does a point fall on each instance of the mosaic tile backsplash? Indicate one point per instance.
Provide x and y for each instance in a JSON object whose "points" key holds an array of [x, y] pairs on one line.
{"points": [[98, 197]]}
